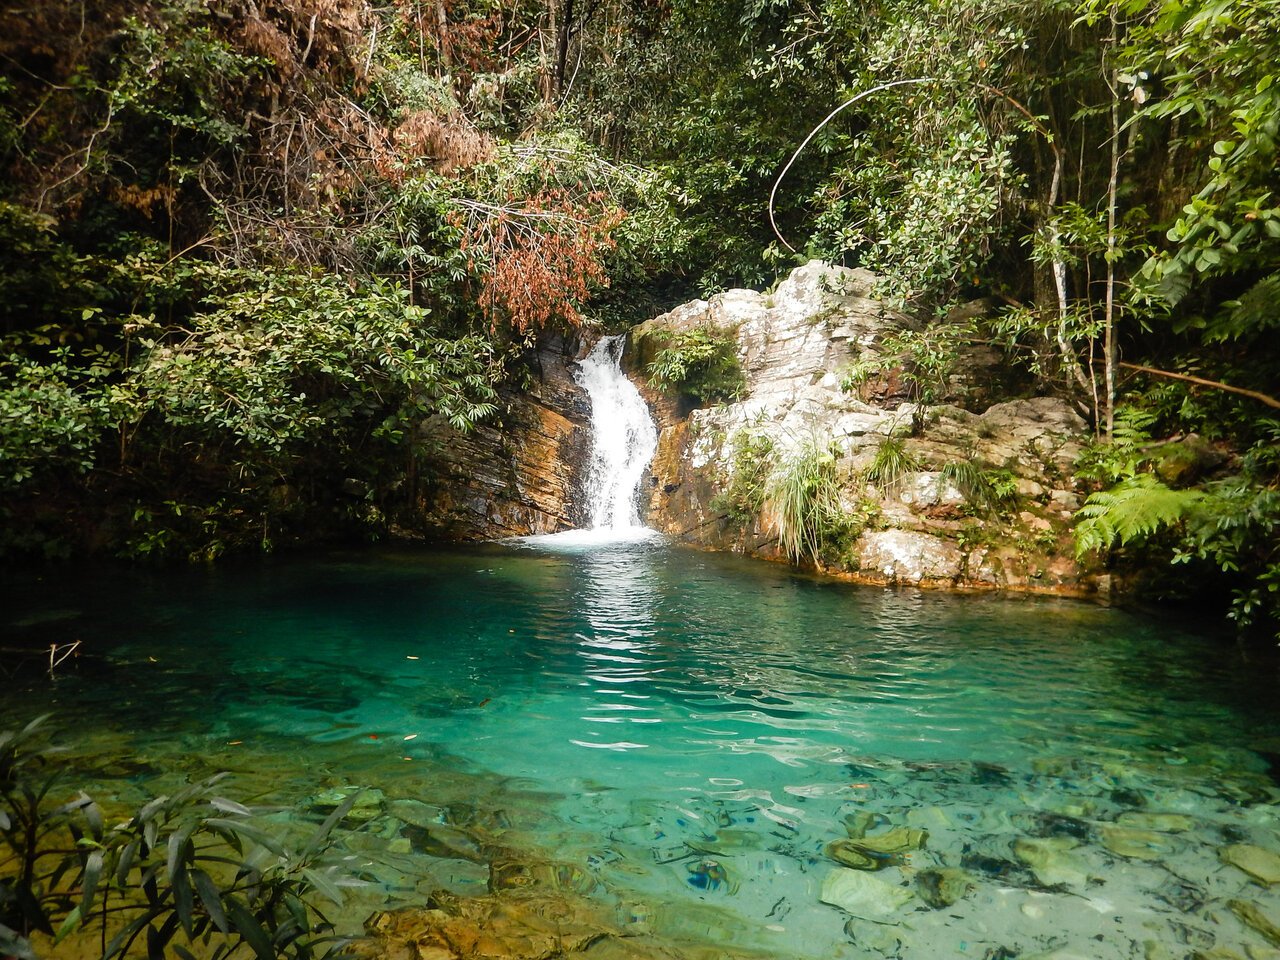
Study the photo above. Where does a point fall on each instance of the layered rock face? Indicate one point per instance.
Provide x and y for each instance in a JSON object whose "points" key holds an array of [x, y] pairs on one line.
{"points": [[519, 474], [980, 499]]}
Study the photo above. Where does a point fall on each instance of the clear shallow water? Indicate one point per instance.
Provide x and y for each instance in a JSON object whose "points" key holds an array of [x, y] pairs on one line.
{"points": [[681, 735]]}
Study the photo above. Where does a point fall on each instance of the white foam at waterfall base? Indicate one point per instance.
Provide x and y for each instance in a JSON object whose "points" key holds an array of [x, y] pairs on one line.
{"points": [[623, 442]]}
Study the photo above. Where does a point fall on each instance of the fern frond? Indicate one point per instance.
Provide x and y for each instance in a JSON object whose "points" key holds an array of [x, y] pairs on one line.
{"points": [[1131, 510], [1255, 312]]}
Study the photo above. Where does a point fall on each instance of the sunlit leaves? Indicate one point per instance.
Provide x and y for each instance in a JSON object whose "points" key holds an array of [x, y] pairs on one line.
{"points": [[171, 877]]}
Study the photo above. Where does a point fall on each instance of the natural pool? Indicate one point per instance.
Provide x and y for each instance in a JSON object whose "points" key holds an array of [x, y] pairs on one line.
{"points": [[679, 737]]}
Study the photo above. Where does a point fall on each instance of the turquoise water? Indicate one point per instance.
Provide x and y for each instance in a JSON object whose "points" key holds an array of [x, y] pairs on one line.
{"points": [[680, 735]]}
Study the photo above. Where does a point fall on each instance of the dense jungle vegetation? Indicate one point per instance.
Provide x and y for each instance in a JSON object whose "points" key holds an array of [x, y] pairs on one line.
{"points": [[261, 256]]}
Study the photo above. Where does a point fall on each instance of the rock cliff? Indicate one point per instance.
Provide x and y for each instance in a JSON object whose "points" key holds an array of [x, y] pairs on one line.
{"points": [[520, 474], [963, 493]]}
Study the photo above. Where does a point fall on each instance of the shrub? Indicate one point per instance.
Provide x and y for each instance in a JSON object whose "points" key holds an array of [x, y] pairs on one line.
{"points": [[804, 502], [700, 362], [746, 490], [984, 488], [890, 464], [190, 868]]}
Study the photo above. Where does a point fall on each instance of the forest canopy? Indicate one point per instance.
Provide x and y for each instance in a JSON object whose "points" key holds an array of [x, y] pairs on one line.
{"points": [[258, 255]]}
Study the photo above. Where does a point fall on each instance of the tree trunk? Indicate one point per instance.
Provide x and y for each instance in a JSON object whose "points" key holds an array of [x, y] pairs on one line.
{"points": [[1109, 316], [562, 45], [442, 36]]}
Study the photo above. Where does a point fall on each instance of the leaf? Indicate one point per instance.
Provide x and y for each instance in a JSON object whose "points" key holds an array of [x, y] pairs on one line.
{"points": [[325, 884], [12, 944], [69, 924], [248, 831], [249, 928], [125, 864], [207, 890], [93, 816], [157, 940], [92, 874], [183, 900], [321, 834], [1132, 510], [230, 806], [177, 846]]}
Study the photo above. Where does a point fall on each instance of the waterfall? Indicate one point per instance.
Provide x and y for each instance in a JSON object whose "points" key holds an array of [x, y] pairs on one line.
{"points": [[623, 438]]}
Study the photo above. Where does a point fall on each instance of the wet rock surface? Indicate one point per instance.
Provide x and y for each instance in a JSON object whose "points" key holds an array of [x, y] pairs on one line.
{"points": [[519, 474], [795, 346]]}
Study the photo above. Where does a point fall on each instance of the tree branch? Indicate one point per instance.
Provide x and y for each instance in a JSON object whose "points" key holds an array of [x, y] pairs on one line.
{"points": [[1269, 400]]}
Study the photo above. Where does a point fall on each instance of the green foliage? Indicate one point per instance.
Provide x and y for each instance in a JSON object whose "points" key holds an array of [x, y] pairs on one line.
{"points": [[926, 226], [804, 502], [700, 362], [1218, 60], [744, 494], [271, 380], [1235, 528], [1133, 510], [191, 868], [984, 488], [891, 462], [52, 416], [1125, 455], [285, 360]]}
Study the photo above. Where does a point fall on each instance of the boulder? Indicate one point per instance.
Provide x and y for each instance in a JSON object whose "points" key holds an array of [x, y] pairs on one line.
{"points": [[862, 895], [1258, 862], [795, 346], [1052, 861]]}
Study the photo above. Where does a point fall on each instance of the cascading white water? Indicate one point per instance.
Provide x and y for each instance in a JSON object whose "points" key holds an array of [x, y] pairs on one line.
{"points": [[623, 438]]}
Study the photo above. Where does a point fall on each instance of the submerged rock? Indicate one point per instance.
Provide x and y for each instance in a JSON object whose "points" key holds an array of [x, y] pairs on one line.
{"points": [[1160, 822], [1136, 844], [368, 802], [881, 850], [416, 813], [1051, 860], [1258, 862], [524, 874], [941, 887], [857, 824], [1251, 915], [485, 928], [848, 852], [897, 840], [1042, 823], [445, 842], [862, 895]]}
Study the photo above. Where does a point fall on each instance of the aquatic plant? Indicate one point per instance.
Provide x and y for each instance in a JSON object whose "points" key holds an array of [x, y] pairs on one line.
{"points": [[191, 867]]}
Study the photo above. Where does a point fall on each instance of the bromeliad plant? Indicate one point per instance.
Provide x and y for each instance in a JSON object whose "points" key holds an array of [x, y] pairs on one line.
{"points": [[188, 875]]}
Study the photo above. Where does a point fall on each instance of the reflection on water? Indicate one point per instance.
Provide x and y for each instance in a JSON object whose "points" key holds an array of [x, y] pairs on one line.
{"points": [[685, 734]]}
